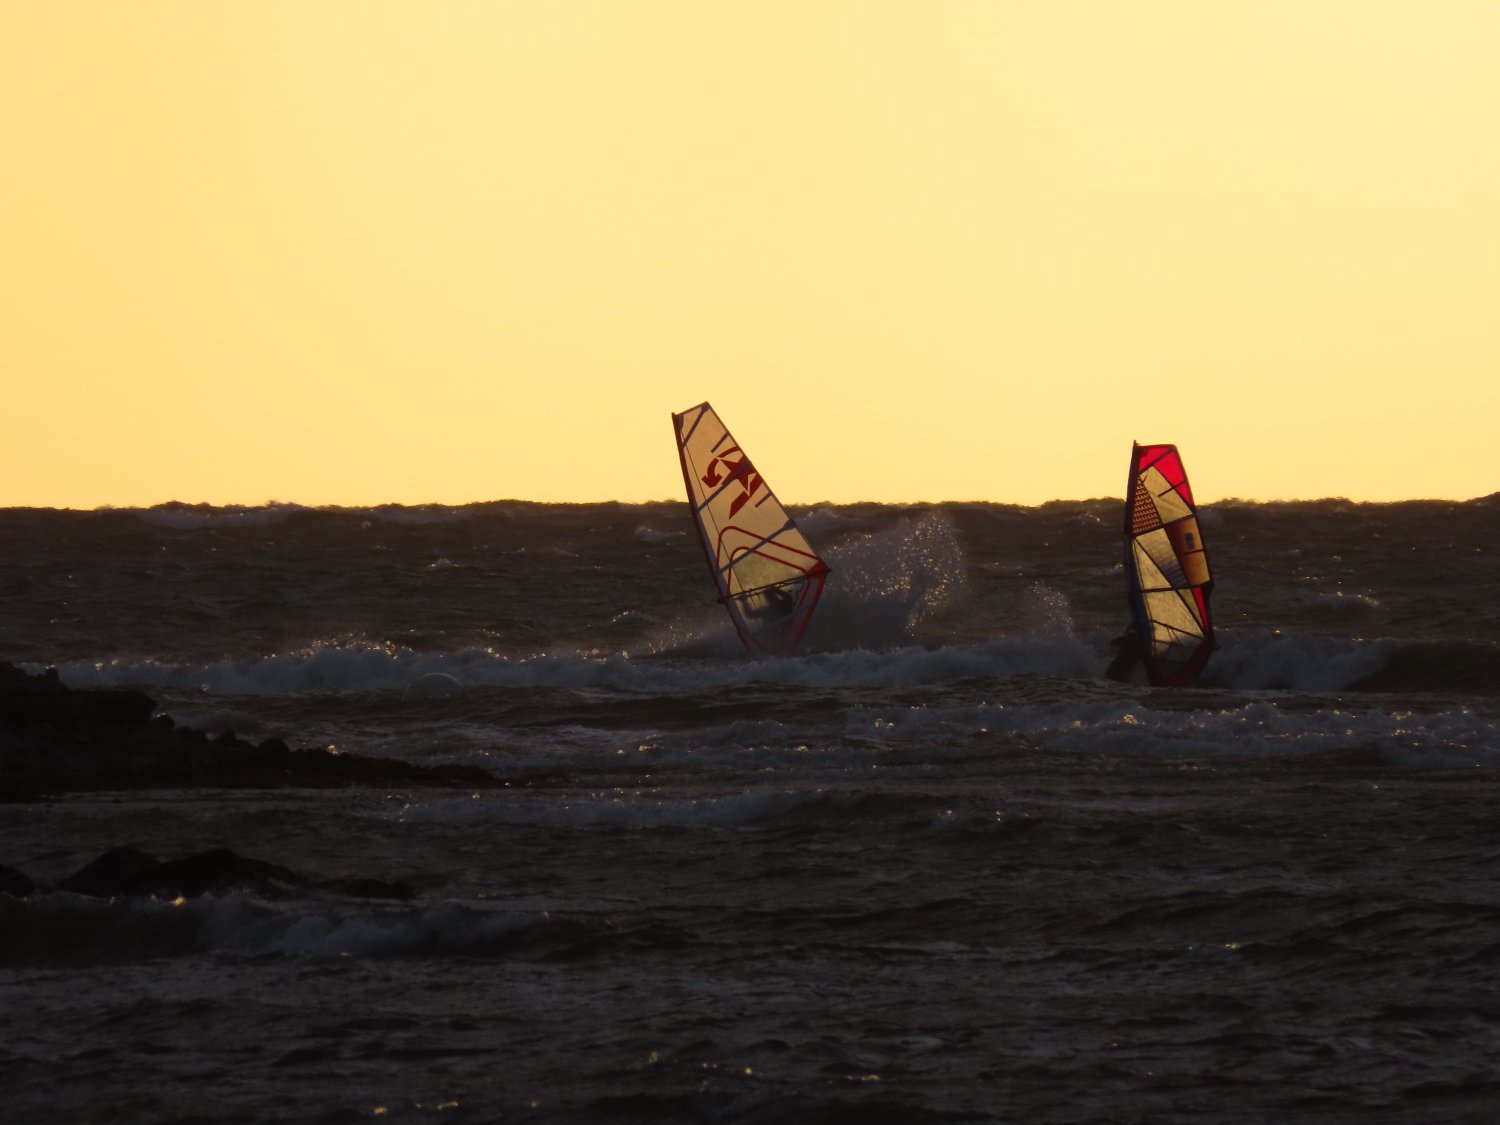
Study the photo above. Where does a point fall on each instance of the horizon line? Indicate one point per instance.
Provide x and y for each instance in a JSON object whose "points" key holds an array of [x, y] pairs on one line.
{"points": [[355, 506]]}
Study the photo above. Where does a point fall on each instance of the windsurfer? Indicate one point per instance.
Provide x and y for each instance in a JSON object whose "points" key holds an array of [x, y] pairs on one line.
{"points": [[748, 538], [772, 603], [1127, 655]]}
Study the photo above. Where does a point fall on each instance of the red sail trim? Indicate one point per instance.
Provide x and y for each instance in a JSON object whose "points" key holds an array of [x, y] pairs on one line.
{"points": [[1148, 455], [1168, 462], [781, 547]]}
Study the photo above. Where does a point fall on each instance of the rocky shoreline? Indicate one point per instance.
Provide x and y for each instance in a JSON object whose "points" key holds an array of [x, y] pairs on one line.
{"points": [[127, 872], [55, 739]]}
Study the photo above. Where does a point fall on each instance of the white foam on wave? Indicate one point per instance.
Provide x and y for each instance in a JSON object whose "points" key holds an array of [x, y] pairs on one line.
{"points": [[1046, 714], [328, 668], [1245, 660], [419, 516], [653, 536], [61, 924], [238, 925], [1260, 727], [1257, 660], [889, 584], [345, 668]]}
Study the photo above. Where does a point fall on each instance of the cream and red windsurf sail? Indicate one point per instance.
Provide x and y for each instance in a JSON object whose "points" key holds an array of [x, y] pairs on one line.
{"points": [[769, 577], [1166, 568]]}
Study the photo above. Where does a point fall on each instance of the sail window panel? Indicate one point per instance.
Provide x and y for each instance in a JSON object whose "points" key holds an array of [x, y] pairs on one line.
{"points": [[1148, 574], [754, 569], [1166, 640], [750, 560], [1158, 547], [1169, 505], [1148, 577], [1170, 613]]}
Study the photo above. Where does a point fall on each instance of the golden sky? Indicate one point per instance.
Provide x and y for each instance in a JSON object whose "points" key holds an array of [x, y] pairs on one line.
{"points": [[354, 251]]}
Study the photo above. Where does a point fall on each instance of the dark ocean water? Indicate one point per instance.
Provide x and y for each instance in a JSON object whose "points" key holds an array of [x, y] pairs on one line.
{"points": [[936, 868]]}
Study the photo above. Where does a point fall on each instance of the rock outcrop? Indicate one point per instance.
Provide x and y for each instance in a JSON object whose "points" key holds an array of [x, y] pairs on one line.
{"points": [[56, 739], [127, 872]]}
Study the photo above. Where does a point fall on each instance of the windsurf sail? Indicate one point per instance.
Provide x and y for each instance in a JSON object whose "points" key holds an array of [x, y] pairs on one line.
{"points": [[768, 575], [1166, 568]]}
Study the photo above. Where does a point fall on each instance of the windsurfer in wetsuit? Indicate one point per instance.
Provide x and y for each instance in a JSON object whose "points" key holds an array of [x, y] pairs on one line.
{"points": [[1127, 655], [778, 602], [768, 603]]}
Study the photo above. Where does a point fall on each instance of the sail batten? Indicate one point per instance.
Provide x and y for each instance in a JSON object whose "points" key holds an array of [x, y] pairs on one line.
{"points": [[1166, 568], [768, 575]]}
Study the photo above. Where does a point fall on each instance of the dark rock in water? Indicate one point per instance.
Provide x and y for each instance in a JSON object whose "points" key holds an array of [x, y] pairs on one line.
{"points": [[434, 685], [370, 888], [54, 738], [45, 699], [213, 872], [15, 883], [129, 872], [112, 874], [1433, 667]]}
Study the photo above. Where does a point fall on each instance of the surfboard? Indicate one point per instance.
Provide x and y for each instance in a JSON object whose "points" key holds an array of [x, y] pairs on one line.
{"points": [[1166, 568], [768, 575]]}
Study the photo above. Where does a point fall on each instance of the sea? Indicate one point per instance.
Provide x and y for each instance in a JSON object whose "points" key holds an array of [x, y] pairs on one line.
{"points": [[934, 868]]}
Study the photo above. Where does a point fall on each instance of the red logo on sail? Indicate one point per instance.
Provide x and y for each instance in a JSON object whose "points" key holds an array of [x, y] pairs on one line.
{"points": [[735, 470]]}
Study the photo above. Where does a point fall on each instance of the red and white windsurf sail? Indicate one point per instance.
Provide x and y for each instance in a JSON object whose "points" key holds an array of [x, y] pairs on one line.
{"points": [[1166, 568], [769, 577]]}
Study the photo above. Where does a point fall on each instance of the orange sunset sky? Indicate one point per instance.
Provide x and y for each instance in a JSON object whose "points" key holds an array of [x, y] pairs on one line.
{"points": [[355, 252]]}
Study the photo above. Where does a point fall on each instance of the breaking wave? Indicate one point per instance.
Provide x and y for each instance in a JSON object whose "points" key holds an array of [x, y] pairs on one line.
{"points": [[1245, 660]]}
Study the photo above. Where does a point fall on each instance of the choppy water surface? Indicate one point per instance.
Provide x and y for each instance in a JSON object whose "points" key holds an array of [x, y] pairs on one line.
{"points": [[936, 868]]}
